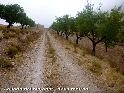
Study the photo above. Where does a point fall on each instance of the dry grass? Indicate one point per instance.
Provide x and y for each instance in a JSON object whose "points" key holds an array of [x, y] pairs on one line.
{"points": [[95, 67], [51, 52], [1, 35], [51, 67], [5, 62], [114, 81], [13, 49], [11, 33]]}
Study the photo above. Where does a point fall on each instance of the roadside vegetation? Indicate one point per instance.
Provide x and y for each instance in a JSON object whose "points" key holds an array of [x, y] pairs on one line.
{"points": [[15, 40]]}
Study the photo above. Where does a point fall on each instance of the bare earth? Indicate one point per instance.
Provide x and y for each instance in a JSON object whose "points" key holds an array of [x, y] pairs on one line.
{"points": [[31, 73]]}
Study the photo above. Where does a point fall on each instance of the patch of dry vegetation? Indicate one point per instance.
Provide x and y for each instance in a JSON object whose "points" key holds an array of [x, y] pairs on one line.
{"points": [[13, 49], [51, 67], [114, 80], [95, 67], [16, 41], [5, 62], [105, 71]]}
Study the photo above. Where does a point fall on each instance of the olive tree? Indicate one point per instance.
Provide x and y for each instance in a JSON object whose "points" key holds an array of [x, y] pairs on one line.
{"points": [[22, 19], [98, 26], [113, 26], [1, 10], [91, 24], [12, 13], [62, 24]]}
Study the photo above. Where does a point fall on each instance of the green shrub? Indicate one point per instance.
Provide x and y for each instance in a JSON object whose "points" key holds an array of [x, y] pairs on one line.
{"points": [[4, 62]]}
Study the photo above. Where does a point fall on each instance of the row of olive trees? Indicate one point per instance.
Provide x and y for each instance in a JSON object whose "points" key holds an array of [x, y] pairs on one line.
{"points": [[98, 26], [13, 13]]}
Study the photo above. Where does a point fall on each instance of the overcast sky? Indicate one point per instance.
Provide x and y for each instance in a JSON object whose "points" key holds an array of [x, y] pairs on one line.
{"points": [[44, 11]]}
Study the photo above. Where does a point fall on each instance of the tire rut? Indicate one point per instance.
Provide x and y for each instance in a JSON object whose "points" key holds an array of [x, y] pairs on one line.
{"points": [[51, 72]]}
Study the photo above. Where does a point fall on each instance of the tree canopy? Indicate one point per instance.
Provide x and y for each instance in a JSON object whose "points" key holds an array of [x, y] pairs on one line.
{"points": [[14, 13], [98, 26]]}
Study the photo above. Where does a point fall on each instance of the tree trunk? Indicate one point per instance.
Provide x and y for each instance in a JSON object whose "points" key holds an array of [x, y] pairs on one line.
{"points": [[106, 48], [58, 32], [94, 49], [22, 26], [61, 33], [66, 36], [10, 24], [77, 39]]}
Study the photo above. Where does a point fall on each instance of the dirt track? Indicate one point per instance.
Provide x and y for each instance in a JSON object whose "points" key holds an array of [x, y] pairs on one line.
{"points": [[32, 72]]}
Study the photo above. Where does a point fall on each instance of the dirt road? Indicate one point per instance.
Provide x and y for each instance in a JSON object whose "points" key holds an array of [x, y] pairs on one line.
{"points": [[32, 74], [72, 75]]}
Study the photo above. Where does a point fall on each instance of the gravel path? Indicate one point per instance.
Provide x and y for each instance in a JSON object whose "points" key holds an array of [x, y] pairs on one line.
{"points": [[72, 75], [34, 67]]}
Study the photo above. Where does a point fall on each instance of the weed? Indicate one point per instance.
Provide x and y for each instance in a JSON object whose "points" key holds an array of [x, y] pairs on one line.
{"points": [[80, 63], [95, 67], [1, 35], [51, 52], [6, 35], [5, 63], [87, 51], [13, 49], [114, 65], [75, 48]]}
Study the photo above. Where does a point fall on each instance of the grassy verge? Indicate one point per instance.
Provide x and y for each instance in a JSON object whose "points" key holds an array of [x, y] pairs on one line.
{"points": [[51, 67]]}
